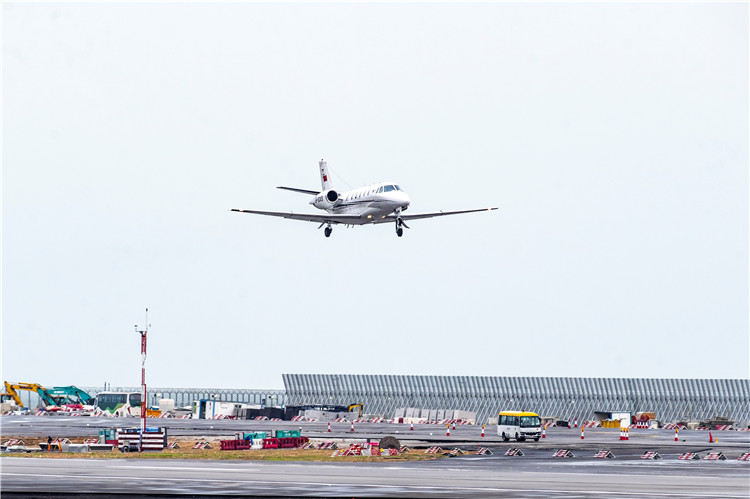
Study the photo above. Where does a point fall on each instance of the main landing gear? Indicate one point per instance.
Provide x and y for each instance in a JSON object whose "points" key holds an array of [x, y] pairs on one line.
{"points": [[328, 230]]}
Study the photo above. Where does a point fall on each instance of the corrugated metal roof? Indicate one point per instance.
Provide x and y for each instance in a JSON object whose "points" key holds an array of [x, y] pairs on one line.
{"points": [[670, 399]]}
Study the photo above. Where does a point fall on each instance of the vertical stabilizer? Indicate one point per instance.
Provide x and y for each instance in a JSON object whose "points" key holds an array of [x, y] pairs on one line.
{"points": [[325, 179]]}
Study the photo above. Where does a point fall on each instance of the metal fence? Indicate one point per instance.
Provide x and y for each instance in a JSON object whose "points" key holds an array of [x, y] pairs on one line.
{"points": [[670, 399], [186, 396]]}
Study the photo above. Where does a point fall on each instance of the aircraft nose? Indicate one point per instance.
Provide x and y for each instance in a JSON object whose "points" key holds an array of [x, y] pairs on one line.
{"points": [[405, 199]]}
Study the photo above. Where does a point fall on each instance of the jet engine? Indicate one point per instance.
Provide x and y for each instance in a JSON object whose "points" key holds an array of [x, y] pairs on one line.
{"points": [[326, 200]]}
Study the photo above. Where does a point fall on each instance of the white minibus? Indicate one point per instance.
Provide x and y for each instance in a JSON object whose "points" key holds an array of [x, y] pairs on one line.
{"points": [[519, 425]]}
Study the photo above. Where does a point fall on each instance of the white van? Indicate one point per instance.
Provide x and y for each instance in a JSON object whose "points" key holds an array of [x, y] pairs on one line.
{"points": [[519, 425]]}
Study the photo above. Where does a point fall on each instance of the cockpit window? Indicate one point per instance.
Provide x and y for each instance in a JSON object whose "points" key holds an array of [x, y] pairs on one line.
{"points": [[388, 188], [397, 187]]}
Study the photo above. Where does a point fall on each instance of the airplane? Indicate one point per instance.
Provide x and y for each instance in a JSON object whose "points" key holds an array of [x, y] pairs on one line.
{"points": [[379, 203]]}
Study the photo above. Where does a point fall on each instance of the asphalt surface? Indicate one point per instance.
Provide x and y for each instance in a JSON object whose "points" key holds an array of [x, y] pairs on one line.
{"points": [[536, 474]]}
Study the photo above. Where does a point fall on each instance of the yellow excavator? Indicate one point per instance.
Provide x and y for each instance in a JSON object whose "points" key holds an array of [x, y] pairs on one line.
{"points": [[358, 407], [11, 392]]}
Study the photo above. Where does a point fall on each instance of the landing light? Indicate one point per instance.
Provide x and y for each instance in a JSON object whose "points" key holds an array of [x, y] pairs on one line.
{"points": [[369, 216]]}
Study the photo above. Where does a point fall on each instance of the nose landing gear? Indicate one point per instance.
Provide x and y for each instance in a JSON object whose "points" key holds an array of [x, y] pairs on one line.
{"points": [[400, 224]]}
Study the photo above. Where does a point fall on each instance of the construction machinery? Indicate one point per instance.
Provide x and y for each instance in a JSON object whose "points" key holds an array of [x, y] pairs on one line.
{"points": [[11, 391], [69, 395], [358, 407]]}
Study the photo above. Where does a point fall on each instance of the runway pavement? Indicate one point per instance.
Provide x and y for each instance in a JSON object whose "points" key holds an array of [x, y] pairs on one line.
{"points": [[536, 474]]}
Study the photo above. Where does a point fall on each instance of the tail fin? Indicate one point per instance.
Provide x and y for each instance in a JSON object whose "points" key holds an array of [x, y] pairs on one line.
{"points": [[325, 179]]}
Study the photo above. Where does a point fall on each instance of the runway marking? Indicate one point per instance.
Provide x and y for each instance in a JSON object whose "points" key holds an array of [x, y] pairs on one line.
{"points": [[406, 487]]}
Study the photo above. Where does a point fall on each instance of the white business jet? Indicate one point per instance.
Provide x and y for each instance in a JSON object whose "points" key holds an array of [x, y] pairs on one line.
{"points": [[374, 204]]}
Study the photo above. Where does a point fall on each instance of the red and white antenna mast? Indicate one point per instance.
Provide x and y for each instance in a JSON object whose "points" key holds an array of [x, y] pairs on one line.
{"points": [[143, 334]]}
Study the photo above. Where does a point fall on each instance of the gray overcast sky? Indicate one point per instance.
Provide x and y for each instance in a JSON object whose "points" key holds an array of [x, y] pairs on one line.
{"points": [[614, 138]]}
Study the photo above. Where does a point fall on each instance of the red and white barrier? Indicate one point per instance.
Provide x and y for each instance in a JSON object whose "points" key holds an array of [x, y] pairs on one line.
{"points": [[582, 428], [329, 427], [650, 455]]}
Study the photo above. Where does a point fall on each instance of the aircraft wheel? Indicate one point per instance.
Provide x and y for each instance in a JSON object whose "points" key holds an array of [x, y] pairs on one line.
{"points": [[399, 232], [328, 231]]}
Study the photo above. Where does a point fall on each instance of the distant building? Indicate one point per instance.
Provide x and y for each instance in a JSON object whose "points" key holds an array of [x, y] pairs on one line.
{"points": [[670, 399]]}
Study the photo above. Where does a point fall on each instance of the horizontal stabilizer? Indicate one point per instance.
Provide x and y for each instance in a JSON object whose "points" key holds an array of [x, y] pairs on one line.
{"points": [[303, 191]]}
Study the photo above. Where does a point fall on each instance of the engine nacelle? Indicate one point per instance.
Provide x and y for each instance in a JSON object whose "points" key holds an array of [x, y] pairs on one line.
{"points": [[326, 200]]}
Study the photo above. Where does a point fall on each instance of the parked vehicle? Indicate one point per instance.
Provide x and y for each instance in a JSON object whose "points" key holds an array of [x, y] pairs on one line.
{"points": [[519, 425], [119, 403]]}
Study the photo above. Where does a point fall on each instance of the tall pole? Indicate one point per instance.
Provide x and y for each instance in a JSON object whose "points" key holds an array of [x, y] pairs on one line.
{"points": [[143, 334]]}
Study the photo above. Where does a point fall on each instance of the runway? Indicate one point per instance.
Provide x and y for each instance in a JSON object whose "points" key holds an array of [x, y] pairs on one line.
{"points": [[460, 477], [536, 474]]}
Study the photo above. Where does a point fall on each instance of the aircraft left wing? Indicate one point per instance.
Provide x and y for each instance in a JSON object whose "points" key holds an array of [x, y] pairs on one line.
{"points": [[417, 216], [311, 217]]}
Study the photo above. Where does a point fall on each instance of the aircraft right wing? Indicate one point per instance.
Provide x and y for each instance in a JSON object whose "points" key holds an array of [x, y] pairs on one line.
{"points": [[311, 217]]}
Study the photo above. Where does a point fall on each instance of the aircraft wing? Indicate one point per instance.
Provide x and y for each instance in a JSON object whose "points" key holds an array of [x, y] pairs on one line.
{"points": [[354, 219], [417, 216], [312, 217]]}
